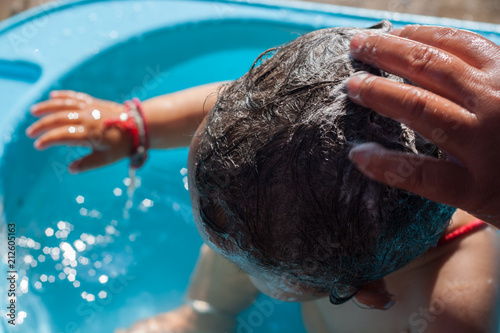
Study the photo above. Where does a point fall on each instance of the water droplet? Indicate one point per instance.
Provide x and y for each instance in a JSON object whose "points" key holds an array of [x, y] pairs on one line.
{"points": [[79, 245], [24, 285], [107, 259], [28, 259], [110, 229], [103, 279], [96, 114], [30, 243], [90, 239]]}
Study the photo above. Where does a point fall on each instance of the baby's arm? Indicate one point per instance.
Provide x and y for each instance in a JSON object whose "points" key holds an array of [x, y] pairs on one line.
{"points": [[221, 283], [218, 292], [174, 118], [77, 119], [465, 298]]}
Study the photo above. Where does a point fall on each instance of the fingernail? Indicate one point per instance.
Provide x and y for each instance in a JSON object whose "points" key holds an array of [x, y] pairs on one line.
{"points": [[363, 305], [38, 145], [354, 85], [360, 157], [389, 304], [74, 168], [362, 154], [358, 41], [396, 32]]}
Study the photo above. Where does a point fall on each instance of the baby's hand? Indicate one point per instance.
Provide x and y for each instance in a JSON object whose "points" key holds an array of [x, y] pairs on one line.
{"points": [[77, 119], [183, 320]]}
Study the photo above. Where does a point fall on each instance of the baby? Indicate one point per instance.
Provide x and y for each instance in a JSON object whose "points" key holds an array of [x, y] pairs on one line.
{"points": [[274, 194]]}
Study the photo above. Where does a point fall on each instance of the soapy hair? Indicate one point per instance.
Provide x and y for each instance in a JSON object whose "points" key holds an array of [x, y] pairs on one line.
{"points": [[275, 182]]}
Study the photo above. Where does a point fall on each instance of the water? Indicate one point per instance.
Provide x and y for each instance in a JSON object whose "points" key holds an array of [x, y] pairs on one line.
{"points": [[87, 261]]}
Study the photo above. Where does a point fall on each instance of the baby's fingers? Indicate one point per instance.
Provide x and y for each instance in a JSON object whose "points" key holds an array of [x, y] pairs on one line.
{"points": [[54, 105], [95, 160], [70, 94], [52, 121], [438, 180], [65, 135]]}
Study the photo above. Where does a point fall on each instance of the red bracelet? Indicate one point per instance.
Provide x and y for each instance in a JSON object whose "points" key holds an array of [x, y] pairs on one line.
{"points": [[134, 123]]}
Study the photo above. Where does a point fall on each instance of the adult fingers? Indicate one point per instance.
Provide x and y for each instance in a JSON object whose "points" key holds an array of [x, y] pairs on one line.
{"points": [[54, 105], [91, 161], [429, 67], [437, 180], [52, 121], [479, 51], [65, 135], [434, 117]]}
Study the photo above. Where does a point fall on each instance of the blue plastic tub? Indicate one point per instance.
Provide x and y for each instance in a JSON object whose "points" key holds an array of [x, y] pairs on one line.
{"points": [[85, 262]]}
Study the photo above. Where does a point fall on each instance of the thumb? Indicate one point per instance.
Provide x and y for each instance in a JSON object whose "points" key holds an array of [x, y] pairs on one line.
{"points": [[92, 161], [438, 180]]}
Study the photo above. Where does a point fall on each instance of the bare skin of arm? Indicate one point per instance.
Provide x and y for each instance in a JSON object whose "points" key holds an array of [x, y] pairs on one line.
{"points": [[172, 120], [215, 281]]}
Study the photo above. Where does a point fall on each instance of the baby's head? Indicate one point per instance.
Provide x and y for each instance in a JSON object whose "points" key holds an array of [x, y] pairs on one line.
{"points": [[274, 191]]}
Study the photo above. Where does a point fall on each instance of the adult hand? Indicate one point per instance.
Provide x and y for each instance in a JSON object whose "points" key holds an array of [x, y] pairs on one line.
{"points": [[455, 104], [76, 119]]}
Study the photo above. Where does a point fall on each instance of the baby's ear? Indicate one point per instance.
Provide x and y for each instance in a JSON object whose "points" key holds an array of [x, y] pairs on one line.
{"points": [[384, 25], [374, 295]]}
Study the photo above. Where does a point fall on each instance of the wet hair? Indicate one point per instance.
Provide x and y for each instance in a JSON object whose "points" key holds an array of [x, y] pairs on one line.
{"points": [[275, 182]]}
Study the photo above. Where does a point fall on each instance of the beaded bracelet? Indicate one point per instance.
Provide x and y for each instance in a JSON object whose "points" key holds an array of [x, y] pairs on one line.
{"points": [[134, 123]]}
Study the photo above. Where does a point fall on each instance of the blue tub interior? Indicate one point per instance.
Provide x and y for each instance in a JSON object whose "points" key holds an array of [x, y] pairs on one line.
{"points": [[86, 263]]}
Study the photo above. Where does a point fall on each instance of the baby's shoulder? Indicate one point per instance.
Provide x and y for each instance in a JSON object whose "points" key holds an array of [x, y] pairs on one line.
{"points": [[465, 293]]}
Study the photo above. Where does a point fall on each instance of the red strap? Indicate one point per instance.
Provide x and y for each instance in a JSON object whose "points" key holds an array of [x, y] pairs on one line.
{"points": [[463, 230], [128, 125]]}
